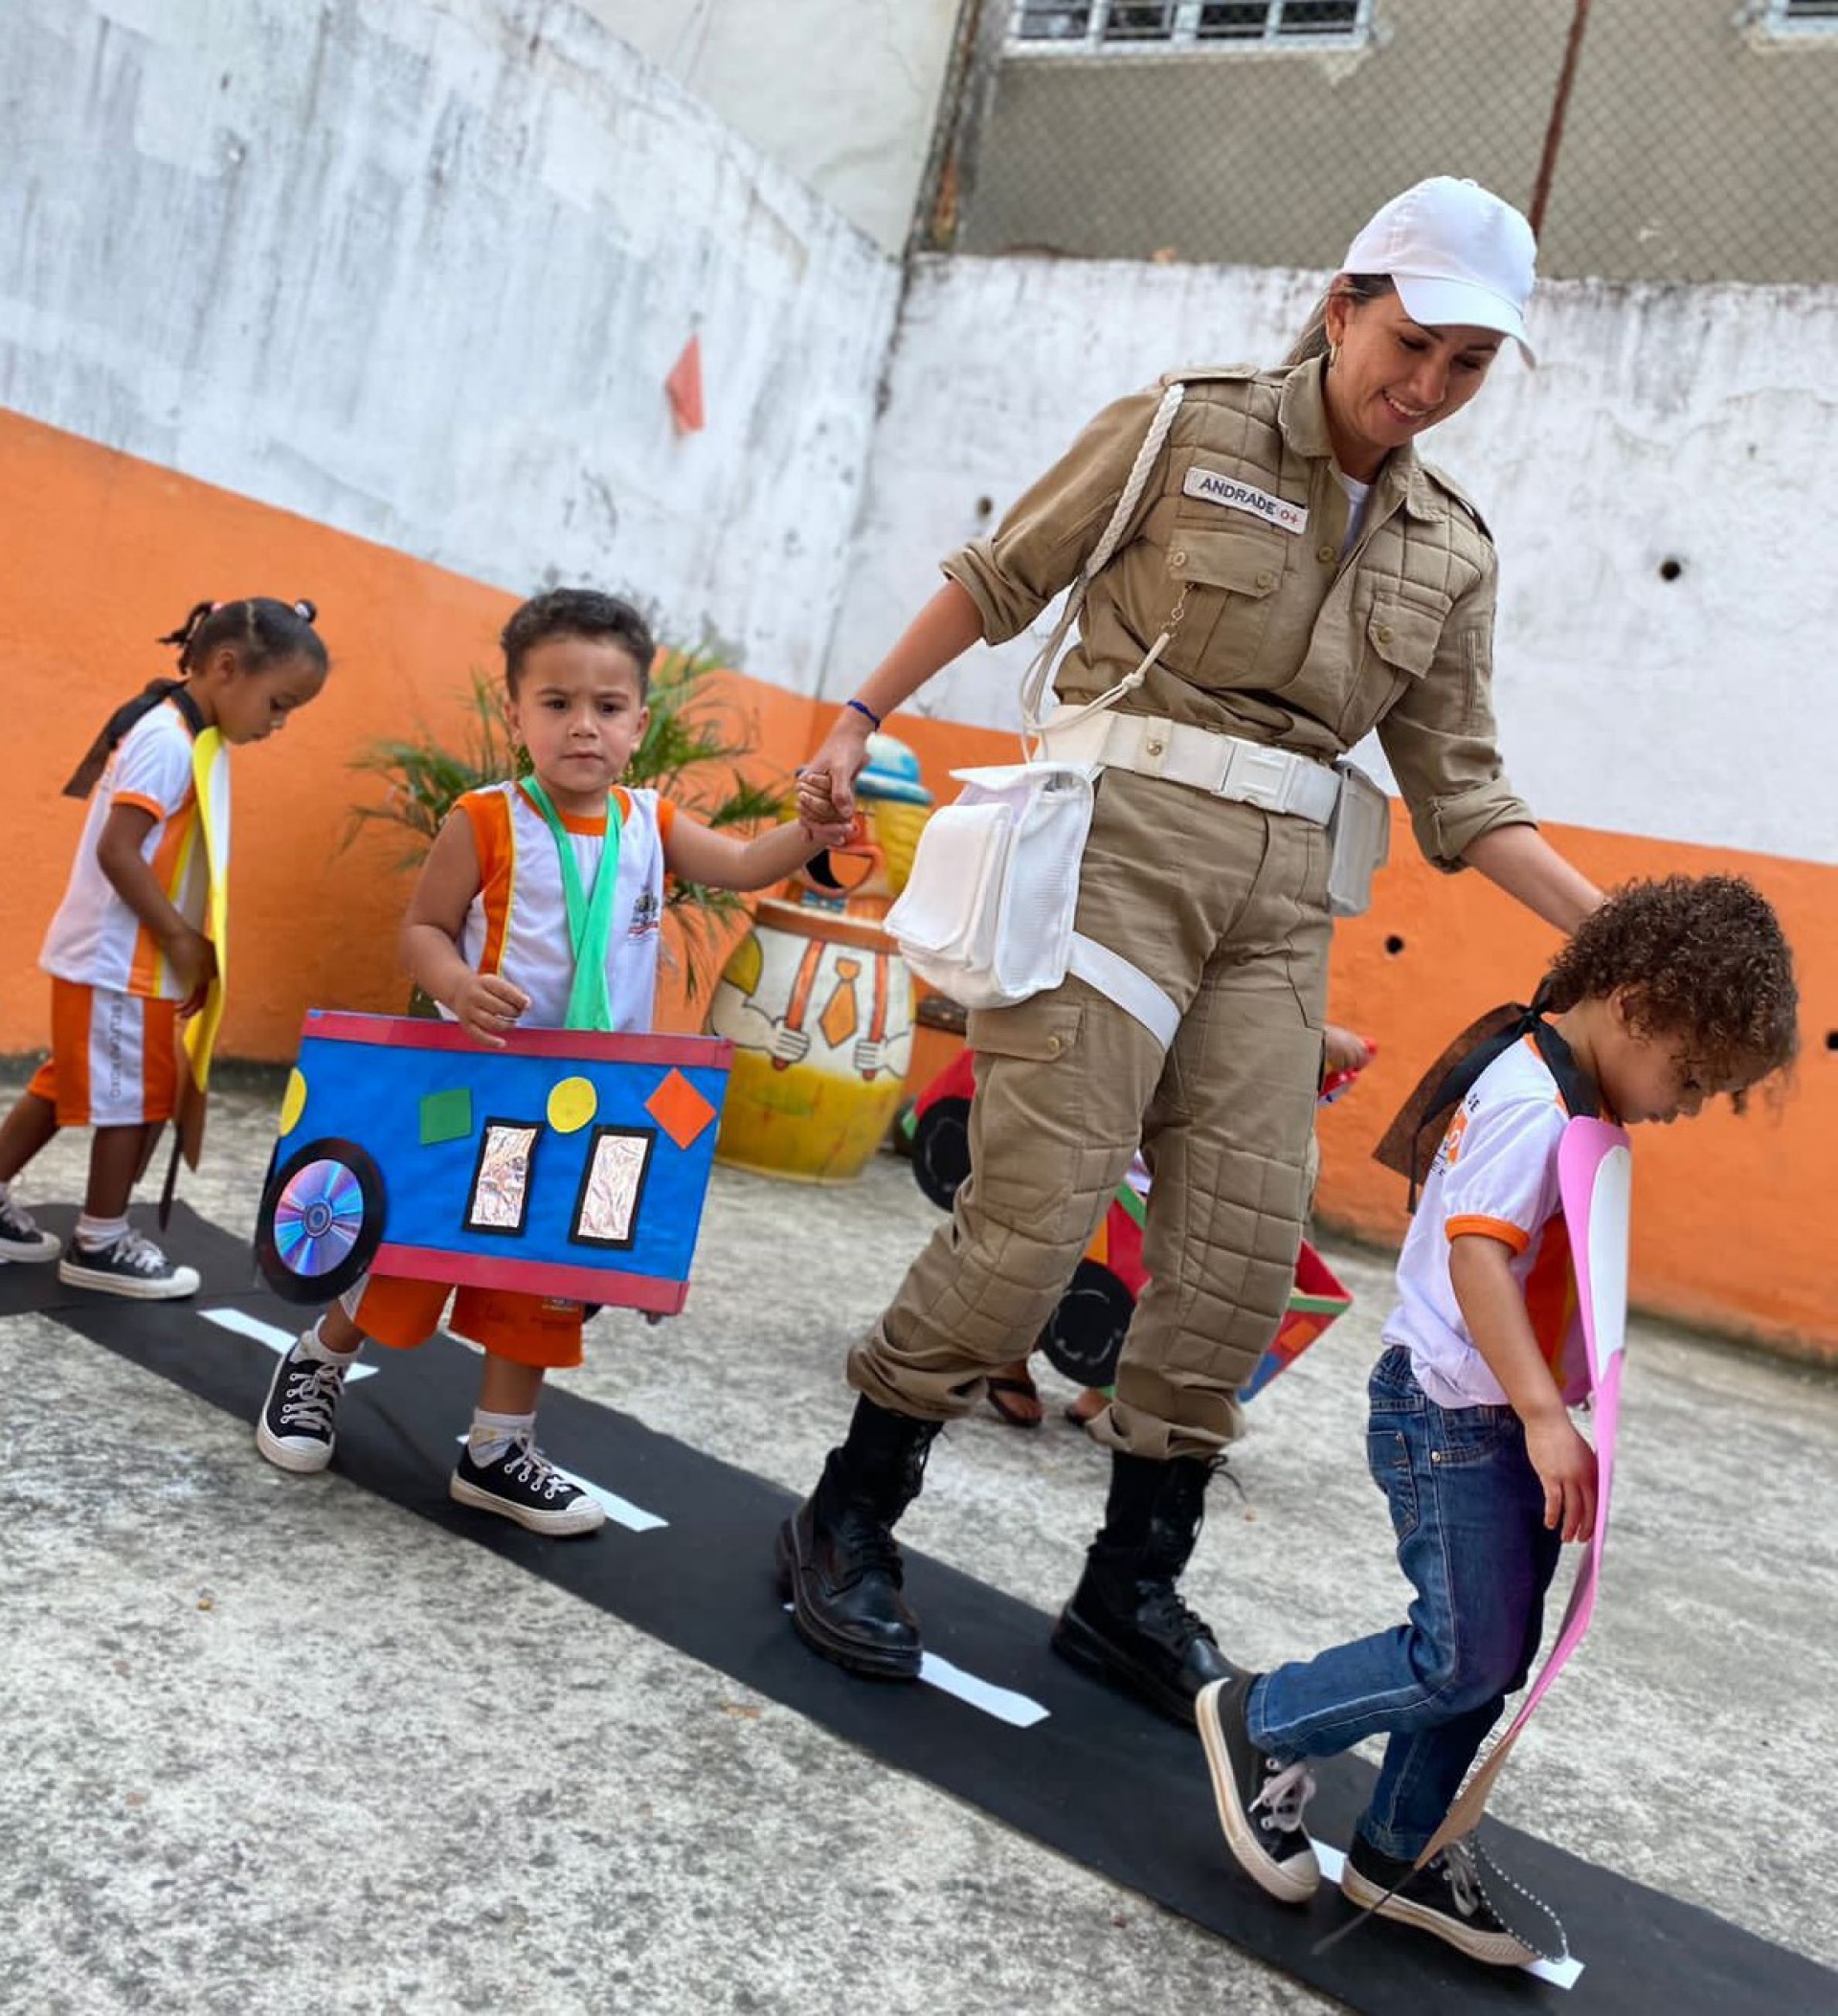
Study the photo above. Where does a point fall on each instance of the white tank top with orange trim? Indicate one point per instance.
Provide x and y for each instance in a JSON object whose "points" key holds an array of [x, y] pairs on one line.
{"points": [[94, 938], [518, 923]]}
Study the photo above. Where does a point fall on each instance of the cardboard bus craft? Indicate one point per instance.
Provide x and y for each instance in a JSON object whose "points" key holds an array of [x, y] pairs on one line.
{"points": [[568, 1163]]}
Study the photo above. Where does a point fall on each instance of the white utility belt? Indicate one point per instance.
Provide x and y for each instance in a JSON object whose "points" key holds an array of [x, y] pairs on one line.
{"points": [[1225, 766]]}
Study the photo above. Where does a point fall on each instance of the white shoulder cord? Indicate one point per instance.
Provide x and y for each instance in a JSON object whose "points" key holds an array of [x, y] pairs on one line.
{"points": [[1034, 684]]}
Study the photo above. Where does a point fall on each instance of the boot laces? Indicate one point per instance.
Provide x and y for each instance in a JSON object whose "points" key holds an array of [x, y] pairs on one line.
{"points": [[865, 1547], [1165, 1612]]}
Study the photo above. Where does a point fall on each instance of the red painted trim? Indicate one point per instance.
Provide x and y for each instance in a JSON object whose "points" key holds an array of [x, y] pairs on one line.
{"points": [[412, 1032], [533, 1277]]}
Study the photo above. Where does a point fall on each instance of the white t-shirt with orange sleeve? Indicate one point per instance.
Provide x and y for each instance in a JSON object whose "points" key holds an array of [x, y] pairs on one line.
{"points": [[94, 938], [1495, 1173], [518, 926]]}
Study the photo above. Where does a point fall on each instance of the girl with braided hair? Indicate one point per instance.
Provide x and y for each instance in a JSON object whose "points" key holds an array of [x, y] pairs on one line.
{"points": [[127, 952]]}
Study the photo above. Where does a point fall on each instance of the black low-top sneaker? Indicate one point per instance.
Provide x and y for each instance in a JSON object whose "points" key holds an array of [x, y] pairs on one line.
{"points": [[298, 1423], [524, 1485], [20, 1237], [133, 1266], [1260, 1799], [1461, 1895]]}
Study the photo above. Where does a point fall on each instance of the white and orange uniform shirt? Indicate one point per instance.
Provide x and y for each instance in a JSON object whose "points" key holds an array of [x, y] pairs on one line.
{"points": [[95, 939], [1495, 1173], [518, 923]]}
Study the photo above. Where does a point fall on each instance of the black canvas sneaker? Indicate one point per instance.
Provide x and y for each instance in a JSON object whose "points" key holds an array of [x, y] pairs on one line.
{"points": [[20, 1237], [298, 1419], [1462, 1896], [524, 1485], [1260, 1799], [133, 1266]]}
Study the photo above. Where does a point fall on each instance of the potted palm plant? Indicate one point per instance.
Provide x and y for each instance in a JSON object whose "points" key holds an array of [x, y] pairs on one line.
{"points": [[691, 751]]}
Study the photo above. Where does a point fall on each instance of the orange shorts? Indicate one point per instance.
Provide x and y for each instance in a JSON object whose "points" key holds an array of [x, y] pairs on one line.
{"points": [[113, 1060], [528, 1330]]}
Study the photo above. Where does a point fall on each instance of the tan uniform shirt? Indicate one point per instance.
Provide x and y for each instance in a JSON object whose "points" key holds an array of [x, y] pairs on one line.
{"points": [[1281, 640]]}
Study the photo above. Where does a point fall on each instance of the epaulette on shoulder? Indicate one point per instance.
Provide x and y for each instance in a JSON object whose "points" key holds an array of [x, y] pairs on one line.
{"points": [[1454, 489], [1197, 373]]}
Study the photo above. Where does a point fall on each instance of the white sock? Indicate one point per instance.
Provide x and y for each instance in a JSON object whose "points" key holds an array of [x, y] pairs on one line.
{"points": [[492, 1434], [313, 1345], [99, 1233]]}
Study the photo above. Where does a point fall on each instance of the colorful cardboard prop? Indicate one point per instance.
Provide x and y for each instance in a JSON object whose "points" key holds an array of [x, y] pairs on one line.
{"points": [[568, 1163], [198, 1038], [1084, 1336]]}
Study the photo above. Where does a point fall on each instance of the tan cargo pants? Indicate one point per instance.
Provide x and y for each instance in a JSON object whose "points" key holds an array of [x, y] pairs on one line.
{"points": [[1226, 907]]}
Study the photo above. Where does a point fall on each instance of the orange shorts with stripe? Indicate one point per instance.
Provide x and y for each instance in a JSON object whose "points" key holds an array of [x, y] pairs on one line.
{"points": [[114, 1061], [528, 1330]]}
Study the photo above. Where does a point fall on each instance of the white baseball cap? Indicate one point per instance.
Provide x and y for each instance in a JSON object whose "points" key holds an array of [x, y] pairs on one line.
{"points": [[1456, 253]]}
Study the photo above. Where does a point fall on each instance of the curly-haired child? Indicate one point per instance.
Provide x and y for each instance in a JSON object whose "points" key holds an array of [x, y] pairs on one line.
{"points": [[1671, 994]]}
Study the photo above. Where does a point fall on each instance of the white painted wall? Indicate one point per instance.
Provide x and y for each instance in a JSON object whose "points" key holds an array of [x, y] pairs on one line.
{"points": [[419, 271], [1698, 424], [843, 93]]}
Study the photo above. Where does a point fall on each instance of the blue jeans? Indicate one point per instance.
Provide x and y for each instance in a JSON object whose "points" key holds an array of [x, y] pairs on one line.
{"points": [[1468, 1511]]}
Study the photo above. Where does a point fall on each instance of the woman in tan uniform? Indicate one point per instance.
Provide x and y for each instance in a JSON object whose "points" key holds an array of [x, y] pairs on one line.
{"points": [[1317, 580]]}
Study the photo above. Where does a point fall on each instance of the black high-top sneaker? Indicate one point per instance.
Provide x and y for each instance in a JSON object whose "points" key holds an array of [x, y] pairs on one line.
{"points": [[1126, 1622], [298, 1419], [838, 1560], [1461, 1895], [1261, 1799]]}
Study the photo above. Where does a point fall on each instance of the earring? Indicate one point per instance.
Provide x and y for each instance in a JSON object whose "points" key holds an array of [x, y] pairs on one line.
{"points": [[1333, 355]]}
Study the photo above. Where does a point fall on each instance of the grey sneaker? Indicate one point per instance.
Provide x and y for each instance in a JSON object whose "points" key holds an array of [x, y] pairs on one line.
{"points": [[20, 1237], [133, 1266], [298, 1423], [524, 1485]]}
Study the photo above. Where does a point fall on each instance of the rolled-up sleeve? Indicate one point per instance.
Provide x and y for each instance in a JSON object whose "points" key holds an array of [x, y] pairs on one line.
{"points": [[1441, 745], [1047, 535]]}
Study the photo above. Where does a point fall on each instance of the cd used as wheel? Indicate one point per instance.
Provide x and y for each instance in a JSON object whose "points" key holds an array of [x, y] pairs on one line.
{"points": [[320, 1221]]}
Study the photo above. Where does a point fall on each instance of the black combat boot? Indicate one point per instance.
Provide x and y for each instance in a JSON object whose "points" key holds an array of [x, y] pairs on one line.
{"points": [[1126, 1623], [836, 1557]]}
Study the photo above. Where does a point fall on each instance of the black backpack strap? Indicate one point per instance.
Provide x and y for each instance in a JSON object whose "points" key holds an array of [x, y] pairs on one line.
{"points": [[1409, 1143]]}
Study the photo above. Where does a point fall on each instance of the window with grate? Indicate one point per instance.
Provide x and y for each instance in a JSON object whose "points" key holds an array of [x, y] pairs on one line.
{"points": [[1045, 27]]}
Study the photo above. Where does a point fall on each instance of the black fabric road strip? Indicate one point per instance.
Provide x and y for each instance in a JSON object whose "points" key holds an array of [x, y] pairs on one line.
{"points": [[1100, 1780]]}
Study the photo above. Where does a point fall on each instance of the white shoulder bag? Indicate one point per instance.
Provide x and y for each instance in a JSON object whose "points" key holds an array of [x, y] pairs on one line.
{"points": [[986, 916]]}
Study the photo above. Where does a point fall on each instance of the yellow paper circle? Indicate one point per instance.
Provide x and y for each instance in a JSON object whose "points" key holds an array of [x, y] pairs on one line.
{"points": [[571, 1104], [293, 1100]]}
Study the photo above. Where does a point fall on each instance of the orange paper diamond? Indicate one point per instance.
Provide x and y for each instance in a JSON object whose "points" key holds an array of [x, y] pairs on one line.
{"points": [[680, 1110]]}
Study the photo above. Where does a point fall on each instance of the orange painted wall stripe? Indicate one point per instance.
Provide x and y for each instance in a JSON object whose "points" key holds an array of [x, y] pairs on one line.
{"points": [[112, 550]]}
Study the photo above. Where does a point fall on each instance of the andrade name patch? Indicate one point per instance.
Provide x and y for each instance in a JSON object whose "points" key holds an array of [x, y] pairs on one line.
{"points": [[1215, 486]]}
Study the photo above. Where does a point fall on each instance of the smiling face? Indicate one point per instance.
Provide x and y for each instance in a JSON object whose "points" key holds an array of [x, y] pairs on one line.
{"points": [[250, 707], [1393, 377], [579, 708]]}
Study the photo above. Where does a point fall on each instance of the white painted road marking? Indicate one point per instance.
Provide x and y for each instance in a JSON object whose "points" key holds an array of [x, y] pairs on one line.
{"points": [[1560, 1974], [1019, 1710], [279, 1341], [1006, 1706], [620, 1511]]}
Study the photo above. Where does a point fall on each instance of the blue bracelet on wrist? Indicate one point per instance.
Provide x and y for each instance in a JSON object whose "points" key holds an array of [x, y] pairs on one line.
{"points": [[862, 708]]}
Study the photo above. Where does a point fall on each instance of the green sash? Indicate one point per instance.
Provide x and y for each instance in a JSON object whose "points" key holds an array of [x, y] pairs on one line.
{"points": [[590, 919]]}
